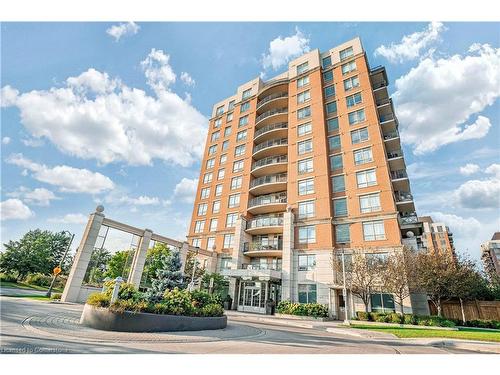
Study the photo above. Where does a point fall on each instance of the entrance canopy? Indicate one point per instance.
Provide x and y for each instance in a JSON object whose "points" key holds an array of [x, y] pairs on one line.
{"points": [[249, 274]]}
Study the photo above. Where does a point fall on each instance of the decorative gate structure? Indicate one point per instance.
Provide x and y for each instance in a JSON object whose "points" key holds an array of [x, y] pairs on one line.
{"points": [[94, 238]]}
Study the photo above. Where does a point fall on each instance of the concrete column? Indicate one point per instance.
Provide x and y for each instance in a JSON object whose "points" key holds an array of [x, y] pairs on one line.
{"points": [[140, 259], [184, 253], [212, 263], [287, 267], [233, 291], [82, 256], [240, 237]]}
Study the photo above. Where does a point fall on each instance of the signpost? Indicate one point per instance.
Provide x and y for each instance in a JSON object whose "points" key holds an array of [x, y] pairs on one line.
{"points": [[57, 270]]}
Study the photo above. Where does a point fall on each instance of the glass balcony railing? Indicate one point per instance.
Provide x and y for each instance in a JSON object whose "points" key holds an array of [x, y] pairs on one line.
{"points": [[270, 143], [262, 266], [387, 117], [399, 174], [267, 199], [270, 113], [265, 221], [268, 128], [263, 246], [402, 196], [378, 85], [280, 177], [391, 135], [272, 97], [408, 218], [383, 101], [270, 160], [395, 154]]}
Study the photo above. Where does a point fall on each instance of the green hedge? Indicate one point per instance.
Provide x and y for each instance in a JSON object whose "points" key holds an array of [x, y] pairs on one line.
{"points": [[303, 309], [434, 321]]}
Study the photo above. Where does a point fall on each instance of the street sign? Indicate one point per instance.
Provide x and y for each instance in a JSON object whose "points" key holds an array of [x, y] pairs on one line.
{"points": [[211, 285], [57, 270]]}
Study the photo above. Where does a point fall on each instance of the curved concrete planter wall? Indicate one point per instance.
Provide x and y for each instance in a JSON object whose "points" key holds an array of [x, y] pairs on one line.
{"points": [[103, 319]]}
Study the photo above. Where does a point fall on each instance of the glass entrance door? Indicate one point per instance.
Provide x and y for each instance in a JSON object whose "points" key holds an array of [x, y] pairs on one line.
{"points": [[252, 296]]}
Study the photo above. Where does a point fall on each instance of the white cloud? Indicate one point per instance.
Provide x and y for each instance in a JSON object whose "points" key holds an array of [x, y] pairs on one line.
{"points": [[15, 209], [469, 169], [70, 219], [68, 179], [118, 197], [187, 79], [282, 50], [185, 190], [411, 45], [437, 97], [458, 225], [38, 196], [5, 140], [8, 96], [494, 169], [479, 194], [32, 142], [123, 29], [96, 117]]}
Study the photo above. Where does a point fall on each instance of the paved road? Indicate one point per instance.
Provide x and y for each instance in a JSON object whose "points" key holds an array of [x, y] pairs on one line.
{"points": [[41, 327], [7, 291]]}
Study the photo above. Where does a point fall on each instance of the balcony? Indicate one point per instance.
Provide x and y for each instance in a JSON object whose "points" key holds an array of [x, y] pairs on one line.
{"points": [[389, 136], [270, 165], [267, 203], [408, 218], [399, 174], [271, 147], [265, 224], [278, 129], [403, 196], [281, 97], [386, 118], [262, 266], [264, 118], [384, 101], [268, 184], [267, 248], [395, 154], [379, 85]]}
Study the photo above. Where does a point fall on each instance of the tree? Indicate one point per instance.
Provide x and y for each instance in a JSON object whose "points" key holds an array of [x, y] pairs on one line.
{"points": [[219, 286], [396, 273], [154, 261], [97, 266], [36, 252], [188, 269], [169, 276], [119, 264]]}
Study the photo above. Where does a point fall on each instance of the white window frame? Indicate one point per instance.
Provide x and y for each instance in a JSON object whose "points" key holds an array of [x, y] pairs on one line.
{"points": [[199, 226], [305, 146], [305, 161], [202, 209], [308, 182], [213, 224], [306, 209], [205, 193], [304, 129], [363, 151], [216, 207], [373, 229], [370, 198], [303, 81], [303, 97], [366, 182], [238, 184], [308, 229], [207, 177], [233, 200]]}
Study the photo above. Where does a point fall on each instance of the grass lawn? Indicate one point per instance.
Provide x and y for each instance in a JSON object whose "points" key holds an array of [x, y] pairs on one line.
{"points": [[21, 285], [462, 333], [38, 298]]}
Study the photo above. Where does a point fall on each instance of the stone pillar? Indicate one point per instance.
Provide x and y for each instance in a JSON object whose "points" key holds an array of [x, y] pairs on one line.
{"points": [[212, 263], [240, 237], [82, 256], [184, 253], [233, 291], [287, 266], [140, 259]]}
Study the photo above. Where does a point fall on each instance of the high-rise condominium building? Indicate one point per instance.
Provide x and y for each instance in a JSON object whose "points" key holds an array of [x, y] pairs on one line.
{"points": [[299, 169], [437, 237], [490, 255]]}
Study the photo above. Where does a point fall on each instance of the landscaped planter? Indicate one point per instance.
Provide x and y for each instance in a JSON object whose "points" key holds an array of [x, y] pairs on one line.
{"points": [[104, 319], [302, 317]]}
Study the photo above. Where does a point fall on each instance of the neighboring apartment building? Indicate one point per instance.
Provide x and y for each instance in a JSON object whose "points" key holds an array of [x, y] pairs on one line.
{"points": [[490, 255], [298, 169], [437, 237]]}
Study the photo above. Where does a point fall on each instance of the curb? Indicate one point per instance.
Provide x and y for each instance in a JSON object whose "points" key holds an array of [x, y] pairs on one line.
{"points": [[366, 334]]}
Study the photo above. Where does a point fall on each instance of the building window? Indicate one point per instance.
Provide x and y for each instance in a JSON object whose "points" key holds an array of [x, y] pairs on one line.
{"points": [[331, 108], [221, 174], [363, 156], [239, 150], [244, 107], [229, 118], [338, 183], [307, 262], [199, 225], [346, 53], [303, 97], [305, 166], [304, 112], [213, 225], [223, 159], [358, 136], [247, 93], [336, 162], [340, 207], [356, 117], [231, 220], [353, 100], [332, 124], [225, 145], [231, 105], [207, 177], [306, 209], [225, 263], [227, 131], [373, 230], [241, 136], [228, 241], [342, 233], [238, 166], [366, 178], [234, 201], [307, 293], [210, 243], [328, 76], [212, 149], [243, 121], [302, 81], [369, 203], [306, 186], [215, 136], [334, 142], [196, 242], [302, 68], [304, 146], [210, 163], [329, 91], [216, 207], [236, 182], [307, 234], [304, 129], [348, 67], [351, 83], [205, 193], [202, 209], [382, 303], [326, 62], [218, 190], [218, 123], [220, 110]]}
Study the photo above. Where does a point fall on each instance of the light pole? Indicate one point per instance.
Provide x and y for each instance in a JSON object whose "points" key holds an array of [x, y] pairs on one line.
{"points": [[49, 292], [344, 290], [195, 260]]}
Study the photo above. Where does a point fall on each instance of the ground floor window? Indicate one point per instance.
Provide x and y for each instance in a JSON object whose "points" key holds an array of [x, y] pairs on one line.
{"points": [[382, 302], [307, 293]]}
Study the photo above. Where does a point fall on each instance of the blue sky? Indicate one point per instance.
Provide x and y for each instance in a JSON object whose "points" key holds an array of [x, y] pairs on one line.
{"points": [[125, 109]]}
